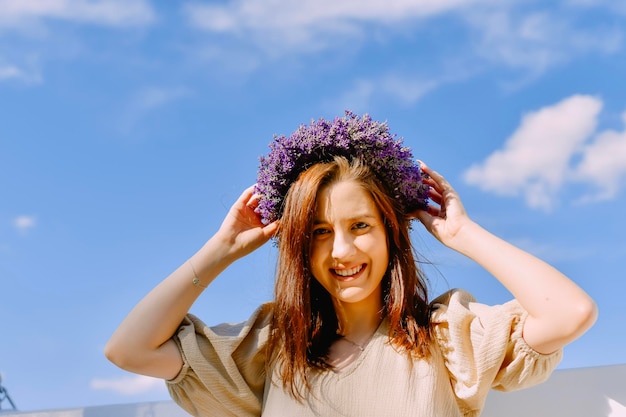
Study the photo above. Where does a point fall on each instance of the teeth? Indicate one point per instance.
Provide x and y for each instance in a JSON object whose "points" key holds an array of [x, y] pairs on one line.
{"points": [[348, 272]]}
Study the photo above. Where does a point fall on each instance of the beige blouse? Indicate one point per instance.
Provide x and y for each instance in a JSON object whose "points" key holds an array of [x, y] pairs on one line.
{"points": [[475, 348]]}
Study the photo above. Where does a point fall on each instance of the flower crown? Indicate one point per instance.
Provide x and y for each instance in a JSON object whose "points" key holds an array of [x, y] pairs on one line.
{"points": [[350, 136]]}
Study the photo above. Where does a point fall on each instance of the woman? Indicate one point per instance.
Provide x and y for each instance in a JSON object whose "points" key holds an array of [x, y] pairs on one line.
{"points": [[351, 331]]}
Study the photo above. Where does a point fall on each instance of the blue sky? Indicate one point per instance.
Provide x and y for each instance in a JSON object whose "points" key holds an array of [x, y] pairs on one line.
{"points": [[127, 128]]}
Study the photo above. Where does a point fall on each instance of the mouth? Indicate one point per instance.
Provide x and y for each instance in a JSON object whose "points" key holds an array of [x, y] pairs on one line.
{"points": [[347, 274]]}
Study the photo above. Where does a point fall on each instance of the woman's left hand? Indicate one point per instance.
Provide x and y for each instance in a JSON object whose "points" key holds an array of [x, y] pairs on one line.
{"points": [[446, 218], [558, 310]]}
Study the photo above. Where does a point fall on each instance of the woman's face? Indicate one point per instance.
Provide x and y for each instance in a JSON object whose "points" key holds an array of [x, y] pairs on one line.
{"points": [[349, 254]]}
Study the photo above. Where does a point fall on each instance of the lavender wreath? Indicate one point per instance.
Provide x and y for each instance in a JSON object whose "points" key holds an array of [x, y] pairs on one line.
{"points": [[350, 136]]}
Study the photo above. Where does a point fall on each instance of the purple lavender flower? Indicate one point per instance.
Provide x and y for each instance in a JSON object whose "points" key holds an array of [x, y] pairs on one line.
{"points": [[350, 136]]}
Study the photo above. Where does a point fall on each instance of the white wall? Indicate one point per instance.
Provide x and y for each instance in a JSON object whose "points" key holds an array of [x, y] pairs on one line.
{"points": [[154, 409], [584, 392]]}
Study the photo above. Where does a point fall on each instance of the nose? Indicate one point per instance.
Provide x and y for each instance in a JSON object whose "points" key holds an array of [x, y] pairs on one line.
{"points": [[343, 246]]}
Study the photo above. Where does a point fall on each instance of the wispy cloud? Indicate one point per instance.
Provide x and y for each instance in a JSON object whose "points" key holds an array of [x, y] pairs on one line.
{"points": [[559, 253], [131, 385], [11, 72], [537, 40], [149, 100], [533, 38], [312, 15], [154, 97], [538, 160], [17, 13], [614, 6], [33, 29], [309, 24], [363, 93], [24, 223]]}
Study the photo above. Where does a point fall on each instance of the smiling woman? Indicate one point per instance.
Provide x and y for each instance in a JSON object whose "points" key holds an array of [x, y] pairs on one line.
{"points": [[349, 246], [352, 330]]}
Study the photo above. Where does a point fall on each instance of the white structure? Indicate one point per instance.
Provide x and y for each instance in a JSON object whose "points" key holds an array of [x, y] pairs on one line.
{"points": [[584, 392], [153, 409]]}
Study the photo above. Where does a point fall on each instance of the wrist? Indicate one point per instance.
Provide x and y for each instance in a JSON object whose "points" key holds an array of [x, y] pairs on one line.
{"points": [[467, 238], [209, 261]]}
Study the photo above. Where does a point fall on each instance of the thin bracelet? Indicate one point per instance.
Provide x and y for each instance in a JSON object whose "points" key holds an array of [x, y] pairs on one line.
{"points": [[195, 280]]}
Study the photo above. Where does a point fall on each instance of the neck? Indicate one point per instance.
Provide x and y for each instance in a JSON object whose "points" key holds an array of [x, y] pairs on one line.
{"points": [[358, 321]]}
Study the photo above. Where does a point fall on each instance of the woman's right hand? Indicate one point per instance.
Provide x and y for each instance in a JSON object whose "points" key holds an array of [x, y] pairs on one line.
{"points": [[242, 230], [143, 341]]}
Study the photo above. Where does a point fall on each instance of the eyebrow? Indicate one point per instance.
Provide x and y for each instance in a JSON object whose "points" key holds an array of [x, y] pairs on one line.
{"points": [[351, 219]]}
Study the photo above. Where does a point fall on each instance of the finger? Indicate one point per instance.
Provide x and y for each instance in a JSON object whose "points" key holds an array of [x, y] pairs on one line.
{"points": [[270, 229], [426, 171], [435, 196], [246, 196], [434, 184], [434, 211], [425, 218], [434, 179], [415, 215], [253, 202]]}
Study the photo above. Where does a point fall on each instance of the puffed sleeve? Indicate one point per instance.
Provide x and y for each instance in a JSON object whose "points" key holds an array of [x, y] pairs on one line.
{"points": [[483, 348], [223, 371]]}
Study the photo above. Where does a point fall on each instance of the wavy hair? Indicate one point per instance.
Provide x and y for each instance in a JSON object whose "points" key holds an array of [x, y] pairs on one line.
{"points": [[304, 323]]}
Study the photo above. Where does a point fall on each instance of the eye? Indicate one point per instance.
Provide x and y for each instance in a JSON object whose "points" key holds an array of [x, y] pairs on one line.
{"points": [[360, 226], [320, 231]]}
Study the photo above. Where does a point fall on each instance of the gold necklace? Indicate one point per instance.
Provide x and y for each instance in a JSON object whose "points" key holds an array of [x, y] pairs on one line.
{"points": [[361, 347]]}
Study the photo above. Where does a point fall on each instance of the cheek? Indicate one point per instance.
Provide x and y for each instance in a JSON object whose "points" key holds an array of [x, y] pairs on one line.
{"points": [[316, 257], [375, 247], [380, 258]]}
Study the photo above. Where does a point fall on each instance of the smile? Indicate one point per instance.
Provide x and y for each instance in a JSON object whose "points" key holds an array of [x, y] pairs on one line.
{"points": [[348, 272]]}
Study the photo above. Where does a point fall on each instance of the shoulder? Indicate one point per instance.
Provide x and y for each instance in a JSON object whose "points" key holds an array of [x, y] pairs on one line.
{"points": [[259, 319], [461, 304], [455, 303], [455, 295]]}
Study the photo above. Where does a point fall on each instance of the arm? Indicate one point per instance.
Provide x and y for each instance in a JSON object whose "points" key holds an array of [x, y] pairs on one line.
{"points": [[558, 310], [143, 341]]}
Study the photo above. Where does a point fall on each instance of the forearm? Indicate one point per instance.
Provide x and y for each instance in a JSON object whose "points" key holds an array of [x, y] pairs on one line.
{"points": [[143, 342], [559, 310], [137, 344]]}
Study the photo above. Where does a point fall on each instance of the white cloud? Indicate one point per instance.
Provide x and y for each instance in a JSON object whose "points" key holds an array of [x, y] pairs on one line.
{"points": [[17, 13], [31, 20], [24, 223], [558, 253], [310, 24], [556, 147], [535, 160], [406, 89], [603, 164], [510, 34], [243, 15], [10, 72], [612, 5], [365, 92], [130, 385], [537, 40], [148, 100], [154, 97]]}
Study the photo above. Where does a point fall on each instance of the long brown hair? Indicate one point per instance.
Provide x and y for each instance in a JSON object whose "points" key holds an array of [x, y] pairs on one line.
{"points": [[304, 323]]}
